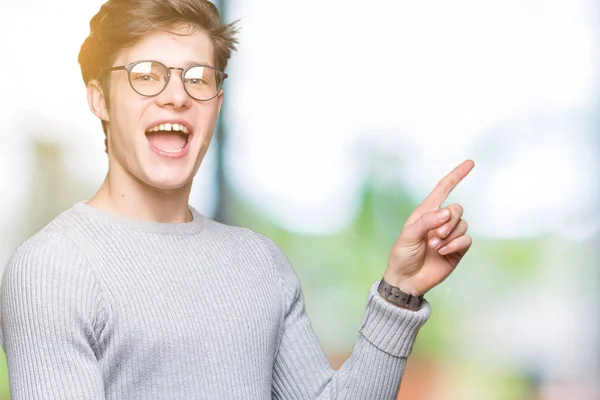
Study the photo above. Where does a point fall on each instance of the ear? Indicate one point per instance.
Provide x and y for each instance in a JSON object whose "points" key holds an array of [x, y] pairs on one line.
{"points": [[220, 100], [96, 100]]}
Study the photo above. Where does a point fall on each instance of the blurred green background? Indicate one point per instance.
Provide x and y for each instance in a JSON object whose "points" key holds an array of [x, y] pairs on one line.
{"points": [[339, 118]]}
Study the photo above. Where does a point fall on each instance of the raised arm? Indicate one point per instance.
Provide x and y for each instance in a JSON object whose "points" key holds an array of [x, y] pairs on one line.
{"points": [[431, 244], [301, 370]]}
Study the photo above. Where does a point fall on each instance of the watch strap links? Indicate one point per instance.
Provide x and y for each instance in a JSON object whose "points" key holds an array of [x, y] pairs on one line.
{"points": [[398, 297]]}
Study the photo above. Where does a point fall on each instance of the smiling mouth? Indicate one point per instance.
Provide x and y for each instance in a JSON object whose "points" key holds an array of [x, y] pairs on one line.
{"points": [[168, 138]]}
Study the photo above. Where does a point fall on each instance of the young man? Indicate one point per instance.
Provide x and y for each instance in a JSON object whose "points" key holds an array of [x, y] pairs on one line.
{"points": [[135, 295]]}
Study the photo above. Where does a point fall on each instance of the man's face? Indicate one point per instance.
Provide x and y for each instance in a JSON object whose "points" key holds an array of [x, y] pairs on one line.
{"points": [[164, 160]]}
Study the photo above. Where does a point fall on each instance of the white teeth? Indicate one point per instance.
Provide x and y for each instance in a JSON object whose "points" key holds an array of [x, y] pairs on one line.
{"points": [[171, 151], [170, 127]]}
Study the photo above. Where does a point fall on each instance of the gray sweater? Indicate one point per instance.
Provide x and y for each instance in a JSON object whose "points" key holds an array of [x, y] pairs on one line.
{"points": [[95, 306]]}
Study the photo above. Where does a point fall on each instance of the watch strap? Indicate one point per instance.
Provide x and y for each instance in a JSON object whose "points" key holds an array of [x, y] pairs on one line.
{"points": [[398, 297]]}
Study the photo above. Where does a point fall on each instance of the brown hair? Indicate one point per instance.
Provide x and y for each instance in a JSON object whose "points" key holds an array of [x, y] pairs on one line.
{"points": [[121, 23]]}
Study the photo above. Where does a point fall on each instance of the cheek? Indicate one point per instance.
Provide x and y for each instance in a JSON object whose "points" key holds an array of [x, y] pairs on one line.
{"points": [[126, 113], [211, 120]]}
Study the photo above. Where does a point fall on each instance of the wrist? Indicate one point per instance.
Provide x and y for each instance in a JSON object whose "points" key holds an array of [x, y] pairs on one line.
{"points": [[398, 297], [402, 284]]}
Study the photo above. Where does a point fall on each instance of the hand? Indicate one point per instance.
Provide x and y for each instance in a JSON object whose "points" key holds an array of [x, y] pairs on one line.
{"points": [[432, 241]]}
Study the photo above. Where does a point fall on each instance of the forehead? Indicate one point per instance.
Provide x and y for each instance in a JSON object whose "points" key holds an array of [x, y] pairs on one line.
{"points": [[172, 48]]}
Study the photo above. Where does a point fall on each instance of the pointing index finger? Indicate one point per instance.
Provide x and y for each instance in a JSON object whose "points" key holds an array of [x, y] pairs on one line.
{"points": [[445, 186]]}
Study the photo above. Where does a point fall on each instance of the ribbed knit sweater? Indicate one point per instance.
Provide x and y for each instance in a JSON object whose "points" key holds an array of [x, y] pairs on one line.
{"points": [[96, 306]]}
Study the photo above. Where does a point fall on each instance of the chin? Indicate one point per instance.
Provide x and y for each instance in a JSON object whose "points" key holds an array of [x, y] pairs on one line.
{"points": [[169, 182], [168, 187]]}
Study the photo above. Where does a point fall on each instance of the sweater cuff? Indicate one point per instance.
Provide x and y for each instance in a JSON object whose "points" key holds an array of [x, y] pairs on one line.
{"points": [[391, 328]]}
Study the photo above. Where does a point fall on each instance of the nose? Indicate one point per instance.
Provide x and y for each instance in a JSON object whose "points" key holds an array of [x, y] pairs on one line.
{"points": [[174, 94]]}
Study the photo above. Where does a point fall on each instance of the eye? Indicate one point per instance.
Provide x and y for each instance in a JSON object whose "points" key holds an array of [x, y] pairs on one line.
{"points": [[195, 81], [145, 77], [199, 76]]}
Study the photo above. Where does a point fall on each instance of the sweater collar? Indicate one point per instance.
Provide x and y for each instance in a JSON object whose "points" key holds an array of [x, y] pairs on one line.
{"points": [[116, 221]]}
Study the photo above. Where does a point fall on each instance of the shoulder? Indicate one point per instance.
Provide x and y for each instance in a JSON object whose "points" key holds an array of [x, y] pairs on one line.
{"points": [[44, 254], [57, 231], [55, 244], [48, 263], [45, 283], [68, 222], [48, 270], [236, 238], [253, 244], [246, 240], [49, 258], [51, 241]]}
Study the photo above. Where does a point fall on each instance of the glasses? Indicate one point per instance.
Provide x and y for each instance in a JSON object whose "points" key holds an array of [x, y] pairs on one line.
{"points": [[150, 78]]}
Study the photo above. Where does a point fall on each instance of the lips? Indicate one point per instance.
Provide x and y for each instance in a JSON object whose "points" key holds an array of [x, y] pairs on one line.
{"points": [[170, 142], [169, 139]]}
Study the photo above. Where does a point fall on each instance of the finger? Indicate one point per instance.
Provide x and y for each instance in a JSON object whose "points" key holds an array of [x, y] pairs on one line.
{"points": [[460, 229], [442, 190], [445, 186], [427, 222], [457, 213], [458, 246]]}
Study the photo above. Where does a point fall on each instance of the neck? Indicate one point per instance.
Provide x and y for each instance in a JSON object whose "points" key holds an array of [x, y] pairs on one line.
{"points": [[126, 196]]}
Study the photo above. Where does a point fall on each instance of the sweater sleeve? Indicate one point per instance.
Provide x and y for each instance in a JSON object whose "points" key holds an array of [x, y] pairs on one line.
{"points": [[374, 369], [49, 321]]}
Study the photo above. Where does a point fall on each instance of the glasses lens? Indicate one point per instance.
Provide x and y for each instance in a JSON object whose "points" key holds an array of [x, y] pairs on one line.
{"points": [[148, 78], [202, 83]]}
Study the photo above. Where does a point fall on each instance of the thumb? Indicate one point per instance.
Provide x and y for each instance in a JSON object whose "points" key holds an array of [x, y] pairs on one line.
{"points": [[419, 229]]}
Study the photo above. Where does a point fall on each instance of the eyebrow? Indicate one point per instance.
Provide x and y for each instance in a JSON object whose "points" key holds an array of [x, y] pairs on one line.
{"points": [[190, 63], [185, 64]]}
